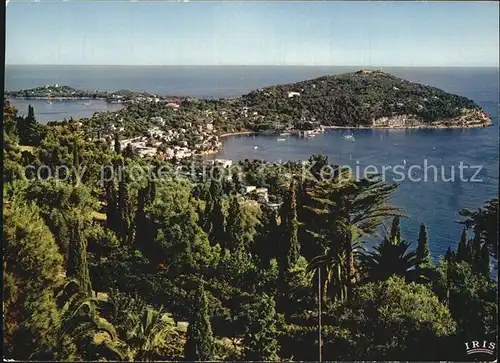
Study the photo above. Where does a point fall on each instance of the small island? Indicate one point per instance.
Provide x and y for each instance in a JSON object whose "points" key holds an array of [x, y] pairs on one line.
{"points": [[62, 92]]}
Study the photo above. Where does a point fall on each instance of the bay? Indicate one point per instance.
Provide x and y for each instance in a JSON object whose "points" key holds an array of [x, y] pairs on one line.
{"points": [[435, 203]]}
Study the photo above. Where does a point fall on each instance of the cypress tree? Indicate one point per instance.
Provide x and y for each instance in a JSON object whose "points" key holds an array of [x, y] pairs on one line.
{"points": [[480, 255], [258, 320], [396, 230], [266, 241], [235, 229], [214, 215], [77, 266], [423, 253], [291, 248], [76, 161], [124, 225], [200, 342], [118, 147], [463, 253], [27, 128], [111, 208]]}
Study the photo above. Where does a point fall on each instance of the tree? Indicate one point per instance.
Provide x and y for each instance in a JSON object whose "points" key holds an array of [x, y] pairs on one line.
{"points": [[214, 214], [118, 146], [344, 209], [471, 297], [389, 258], [383, 317], [77, 266], [485, 221], [290, 252], [258, 317], [396, 230], [463, 251], [200, 342], [32, 269], [235, 231], [28, 128], [423, 253]]}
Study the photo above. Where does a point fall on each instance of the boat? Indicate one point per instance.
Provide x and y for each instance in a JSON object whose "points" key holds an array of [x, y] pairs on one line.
{"points": [[255, 147], [285, 134], [280, 139], [349, 137], [49, 102], [86, 103]]}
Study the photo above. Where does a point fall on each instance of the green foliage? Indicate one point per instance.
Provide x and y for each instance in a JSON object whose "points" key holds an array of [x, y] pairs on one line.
{"points": [[32, 268], [423, 253], [200, 343], [485, 220], [290, 247], [258, 317], [471, 299], [383, 317], [147, 244], [391, 257], [77, 266], [337, 214]]}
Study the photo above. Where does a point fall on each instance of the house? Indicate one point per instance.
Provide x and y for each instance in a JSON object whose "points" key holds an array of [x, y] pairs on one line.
{"points": [[146, 151], [249, 189], [210, 127], [173, 106], [293, 94]]}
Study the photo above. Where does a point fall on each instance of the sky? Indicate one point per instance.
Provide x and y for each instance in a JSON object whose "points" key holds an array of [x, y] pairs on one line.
{"points": [[252, 33]]}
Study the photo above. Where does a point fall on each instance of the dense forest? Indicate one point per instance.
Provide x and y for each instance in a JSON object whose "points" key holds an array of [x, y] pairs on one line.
{"points": [[356, 99], [172, 267]]}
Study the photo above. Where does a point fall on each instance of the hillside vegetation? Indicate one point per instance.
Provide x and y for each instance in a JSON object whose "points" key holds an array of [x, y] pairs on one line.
{"points": [[357, 99]]}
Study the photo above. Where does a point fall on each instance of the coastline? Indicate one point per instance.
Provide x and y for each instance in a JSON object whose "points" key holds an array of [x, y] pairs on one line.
{"points": [[238, 133], [441, 127]]}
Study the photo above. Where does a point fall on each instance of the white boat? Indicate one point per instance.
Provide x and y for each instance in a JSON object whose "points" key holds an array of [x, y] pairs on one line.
{"points": [[255, 147], [285, 134], [49, 102], [348, 137], [280, 139]]}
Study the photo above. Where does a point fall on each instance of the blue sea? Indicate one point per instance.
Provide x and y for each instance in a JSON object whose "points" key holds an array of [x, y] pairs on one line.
{"points": [[436, 203]]}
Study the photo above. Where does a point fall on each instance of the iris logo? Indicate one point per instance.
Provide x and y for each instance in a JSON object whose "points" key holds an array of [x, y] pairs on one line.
{"points": [[476, 347]]}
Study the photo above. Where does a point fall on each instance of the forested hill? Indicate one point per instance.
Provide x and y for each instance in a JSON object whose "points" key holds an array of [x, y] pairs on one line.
{"points": [[357, 99]]}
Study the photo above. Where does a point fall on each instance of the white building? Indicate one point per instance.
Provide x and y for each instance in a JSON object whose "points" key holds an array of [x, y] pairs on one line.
{"points": [[293, 94]]}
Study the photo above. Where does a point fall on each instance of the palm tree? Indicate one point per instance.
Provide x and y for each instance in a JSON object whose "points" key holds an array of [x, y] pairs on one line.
{"points": [[390, 257], [345, 209], [96, 337], [152, 331], [143, 329]]}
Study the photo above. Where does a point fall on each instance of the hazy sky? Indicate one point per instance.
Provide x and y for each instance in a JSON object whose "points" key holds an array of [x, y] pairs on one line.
{"points": [[253, 33]]}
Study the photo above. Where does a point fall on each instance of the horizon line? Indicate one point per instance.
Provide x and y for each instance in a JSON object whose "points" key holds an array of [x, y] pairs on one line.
{"points": [[257, 65]]}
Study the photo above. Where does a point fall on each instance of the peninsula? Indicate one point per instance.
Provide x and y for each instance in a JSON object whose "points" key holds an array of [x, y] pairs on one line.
{"points": [[184, 126]]}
